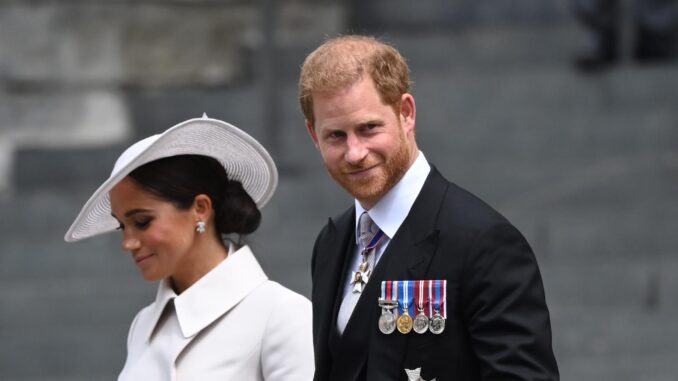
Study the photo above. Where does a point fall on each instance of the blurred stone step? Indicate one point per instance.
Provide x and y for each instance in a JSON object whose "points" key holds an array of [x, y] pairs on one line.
{"points": [[383, 15], [644, 284], [56, 121], [100, 256], [102, 43], [73, 300], [59, 168], [585, 333], [638, 366], [208, 45], [545, 103], [78, 352], [49, 209], [571, 227], [486, 49]]}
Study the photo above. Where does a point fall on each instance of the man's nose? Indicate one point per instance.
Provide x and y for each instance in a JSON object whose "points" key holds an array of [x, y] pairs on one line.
{"points": [[356, 151]]}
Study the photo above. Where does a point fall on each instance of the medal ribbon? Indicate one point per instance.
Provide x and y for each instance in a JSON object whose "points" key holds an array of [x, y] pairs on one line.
{"points": [[429, 295], [406, 289], [388, 292], [443, 304], [394, 291], [374, 241], [440, 301], [410, 300], [429, 283], [420, 292]]}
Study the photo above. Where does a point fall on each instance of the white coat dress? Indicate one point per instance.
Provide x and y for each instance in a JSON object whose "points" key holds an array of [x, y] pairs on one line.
{"points": [[232, 324]]}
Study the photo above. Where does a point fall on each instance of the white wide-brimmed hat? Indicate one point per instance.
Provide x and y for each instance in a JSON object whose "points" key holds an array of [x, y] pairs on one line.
{"points": [[243, 157]]}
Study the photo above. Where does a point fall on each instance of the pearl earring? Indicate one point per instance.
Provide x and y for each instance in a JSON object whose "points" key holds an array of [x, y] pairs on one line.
{"points": [[200, 227]]}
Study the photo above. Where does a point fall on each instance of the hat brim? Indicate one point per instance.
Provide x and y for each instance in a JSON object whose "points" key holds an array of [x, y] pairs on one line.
{"points": [[241, 155]]}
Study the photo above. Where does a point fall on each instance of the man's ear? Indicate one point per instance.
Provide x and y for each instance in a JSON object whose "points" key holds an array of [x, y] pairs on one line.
{"points": [[311, 131], [408, 112]]}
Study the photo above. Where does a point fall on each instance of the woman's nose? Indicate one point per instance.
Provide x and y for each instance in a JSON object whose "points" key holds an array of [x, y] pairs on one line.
{"points": [[130, 243]]}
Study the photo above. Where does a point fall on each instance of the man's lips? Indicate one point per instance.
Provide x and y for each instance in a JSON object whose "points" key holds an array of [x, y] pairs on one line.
{"points": [[361, 171]]}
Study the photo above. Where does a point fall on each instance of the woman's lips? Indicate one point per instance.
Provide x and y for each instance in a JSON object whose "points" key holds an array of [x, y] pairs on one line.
{"points": [[142, 258]]}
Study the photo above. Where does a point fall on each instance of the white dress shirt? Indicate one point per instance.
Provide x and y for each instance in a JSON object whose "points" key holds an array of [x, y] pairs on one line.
{"points": [[232, 324], [388, 214]]}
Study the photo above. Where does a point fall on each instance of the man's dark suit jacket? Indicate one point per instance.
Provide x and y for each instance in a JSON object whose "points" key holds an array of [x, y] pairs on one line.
{"points": [[497, 324]]}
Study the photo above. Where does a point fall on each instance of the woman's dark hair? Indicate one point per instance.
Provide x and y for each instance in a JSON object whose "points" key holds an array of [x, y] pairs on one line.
{"points": [[178, 179]]}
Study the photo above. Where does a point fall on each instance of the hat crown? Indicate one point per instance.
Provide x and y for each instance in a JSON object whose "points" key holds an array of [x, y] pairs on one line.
{"points": [[132, 152]]}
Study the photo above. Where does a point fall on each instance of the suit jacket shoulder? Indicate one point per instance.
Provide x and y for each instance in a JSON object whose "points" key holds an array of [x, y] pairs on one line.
{"points": [[498, 325], [330, 234]]}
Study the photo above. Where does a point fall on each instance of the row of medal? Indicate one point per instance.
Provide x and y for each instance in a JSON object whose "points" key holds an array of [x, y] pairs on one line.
{"points": [[413, 305]]}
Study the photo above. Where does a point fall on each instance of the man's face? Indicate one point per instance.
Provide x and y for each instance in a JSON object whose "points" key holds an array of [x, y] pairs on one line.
{"points": [[366, 145]]}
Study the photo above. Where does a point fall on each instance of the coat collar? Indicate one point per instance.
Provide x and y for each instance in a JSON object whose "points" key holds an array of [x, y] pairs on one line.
{"points": [[212, 295]]}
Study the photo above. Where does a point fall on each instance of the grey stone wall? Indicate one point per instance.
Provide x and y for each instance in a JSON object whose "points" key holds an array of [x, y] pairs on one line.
{"points": [[66, 68]]}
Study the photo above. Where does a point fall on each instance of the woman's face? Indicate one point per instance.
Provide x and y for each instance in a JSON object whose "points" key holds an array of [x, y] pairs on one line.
{"points": [[159, 236]]}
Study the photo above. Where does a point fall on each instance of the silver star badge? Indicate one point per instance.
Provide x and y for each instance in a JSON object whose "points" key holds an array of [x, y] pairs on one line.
{"points": [[415, 375]]}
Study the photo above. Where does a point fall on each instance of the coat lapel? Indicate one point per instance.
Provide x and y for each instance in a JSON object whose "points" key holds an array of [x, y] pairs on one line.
{"points": [[407, 257], [329, 264]]}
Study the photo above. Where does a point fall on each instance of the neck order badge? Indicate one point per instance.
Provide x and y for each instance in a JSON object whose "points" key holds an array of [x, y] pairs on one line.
{"points": [[370, 236]]}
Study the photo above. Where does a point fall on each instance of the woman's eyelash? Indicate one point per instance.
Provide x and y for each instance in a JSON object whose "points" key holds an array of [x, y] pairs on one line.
{"points": [[139, 224], [143, 224]]}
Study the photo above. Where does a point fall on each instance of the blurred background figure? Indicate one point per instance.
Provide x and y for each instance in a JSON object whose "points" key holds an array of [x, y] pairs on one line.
{"points": [[585, 166], [647, 29]]}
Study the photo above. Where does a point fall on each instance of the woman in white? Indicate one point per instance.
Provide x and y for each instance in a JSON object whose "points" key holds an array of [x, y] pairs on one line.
{"points": [[216, 316]]}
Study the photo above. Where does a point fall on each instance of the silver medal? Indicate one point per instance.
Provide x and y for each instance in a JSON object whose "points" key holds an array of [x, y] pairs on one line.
{"points": [[387, 321], [437, 324], [420, 323]]}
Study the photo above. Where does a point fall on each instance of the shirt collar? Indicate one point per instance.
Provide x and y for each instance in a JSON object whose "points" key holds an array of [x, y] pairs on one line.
{"points": [[392, 209], [214, 294]]}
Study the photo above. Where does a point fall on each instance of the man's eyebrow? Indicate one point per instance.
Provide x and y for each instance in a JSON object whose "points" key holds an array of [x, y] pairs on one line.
{"points": [[378, 122]]}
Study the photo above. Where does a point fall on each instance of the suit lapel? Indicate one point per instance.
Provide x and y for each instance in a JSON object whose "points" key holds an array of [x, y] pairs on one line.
{"points": [[407, 256], [334, 337], [331, 259], [413, 246]]}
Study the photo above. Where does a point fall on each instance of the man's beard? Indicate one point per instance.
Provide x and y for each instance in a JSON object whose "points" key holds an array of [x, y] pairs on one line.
{"points": [[370, 190]]}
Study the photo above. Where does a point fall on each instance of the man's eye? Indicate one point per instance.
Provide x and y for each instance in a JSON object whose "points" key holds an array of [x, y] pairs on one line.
{"points": [[336, 135]]}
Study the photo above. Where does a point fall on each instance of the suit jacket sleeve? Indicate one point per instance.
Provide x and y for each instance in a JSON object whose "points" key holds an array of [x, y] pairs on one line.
{"points": [[505, 308]]}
